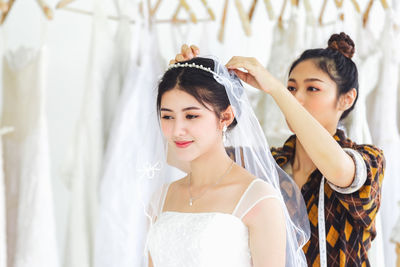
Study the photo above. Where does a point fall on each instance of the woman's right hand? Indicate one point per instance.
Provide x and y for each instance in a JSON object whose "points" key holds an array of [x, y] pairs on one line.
{"points": [[186, 53]]}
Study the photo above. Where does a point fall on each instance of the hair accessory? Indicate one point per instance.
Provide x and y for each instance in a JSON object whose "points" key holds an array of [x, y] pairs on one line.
{"points": [[191, 65]]}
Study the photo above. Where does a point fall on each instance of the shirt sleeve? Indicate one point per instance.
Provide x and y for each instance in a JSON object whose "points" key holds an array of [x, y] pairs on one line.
{"points": [[362, 198], [360, 173]]}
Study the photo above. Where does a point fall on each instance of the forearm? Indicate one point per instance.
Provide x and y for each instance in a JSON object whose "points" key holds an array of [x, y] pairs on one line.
{"points": [[331, 160]]}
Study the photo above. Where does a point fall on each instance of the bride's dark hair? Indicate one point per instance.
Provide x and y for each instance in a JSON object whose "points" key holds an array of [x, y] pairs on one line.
{"points": [[198, 83]]}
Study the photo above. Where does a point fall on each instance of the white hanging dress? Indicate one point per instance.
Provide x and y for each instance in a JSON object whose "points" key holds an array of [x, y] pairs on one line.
{"points": [[3, 232], [116, 243], [31, 236], [382, 116], [287, 45], [83, 166], [367, 58]]}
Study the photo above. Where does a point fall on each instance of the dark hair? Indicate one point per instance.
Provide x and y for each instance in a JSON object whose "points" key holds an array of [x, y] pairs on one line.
{"points": [[198, 83], [335, 60]]}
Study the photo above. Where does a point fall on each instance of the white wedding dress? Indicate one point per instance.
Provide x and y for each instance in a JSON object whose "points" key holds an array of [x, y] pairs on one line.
{"points": [[203, 239], [382, 118], [31, 233], [286, 47], [3, 244]]}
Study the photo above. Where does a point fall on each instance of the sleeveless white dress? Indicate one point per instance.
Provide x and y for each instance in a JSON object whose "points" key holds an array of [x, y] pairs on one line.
{"points": [[30, 222], [382, 118], [205, 238]]}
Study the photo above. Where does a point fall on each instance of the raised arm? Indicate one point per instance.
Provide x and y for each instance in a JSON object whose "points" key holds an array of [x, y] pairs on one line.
{"points": [[331, 160]]}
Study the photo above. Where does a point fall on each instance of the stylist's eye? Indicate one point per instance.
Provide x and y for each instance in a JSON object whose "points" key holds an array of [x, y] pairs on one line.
{"points": [[190, 117], [312, 89]]}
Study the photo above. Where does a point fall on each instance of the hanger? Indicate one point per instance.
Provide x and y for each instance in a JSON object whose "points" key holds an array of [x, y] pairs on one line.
{"points": [[221, 32], [356, 6], [3, 6], [366, 13], [153, 10], [46, 9], [321, 13], [63, 3], [384, 4], [209, 10], [252, 8], [185, 5], [280, 18], [5, 14], [268, 5], [339, 3], [243, 17]]}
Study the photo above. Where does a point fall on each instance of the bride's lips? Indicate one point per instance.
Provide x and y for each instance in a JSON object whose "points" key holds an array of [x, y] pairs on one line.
{"points": [[183, 144]]}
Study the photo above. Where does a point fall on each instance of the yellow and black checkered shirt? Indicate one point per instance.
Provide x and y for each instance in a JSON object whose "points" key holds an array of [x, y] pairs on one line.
{"points": [[349, 218]]}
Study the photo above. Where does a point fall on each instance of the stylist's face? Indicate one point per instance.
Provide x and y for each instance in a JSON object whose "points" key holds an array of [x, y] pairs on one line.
{"points": [[317, 92]]}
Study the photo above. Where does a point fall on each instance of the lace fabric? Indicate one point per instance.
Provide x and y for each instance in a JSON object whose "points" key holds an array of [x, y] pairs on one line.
{"points": [[206, 238]]}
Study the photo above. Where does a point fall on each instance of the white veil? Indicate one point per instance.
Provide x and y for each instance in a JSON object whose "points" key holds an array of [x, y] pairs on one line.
{"points": [[251, 151]]}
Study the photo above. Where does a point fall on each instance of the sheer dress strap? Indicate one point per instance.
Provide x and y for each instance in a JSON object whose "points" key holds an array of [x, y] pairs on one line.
{"points": [[257, 191]]}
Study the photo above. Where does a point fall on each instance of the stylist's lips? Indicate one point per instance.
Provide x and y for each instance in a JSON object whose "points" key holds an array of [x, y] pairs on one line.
{"points": [[183, 144]]}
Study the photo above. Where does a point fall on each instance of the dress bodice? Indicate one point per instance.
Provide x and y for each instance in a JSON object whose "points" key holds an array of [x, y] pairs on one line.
{"points": [[205, 238], [199, 239]]}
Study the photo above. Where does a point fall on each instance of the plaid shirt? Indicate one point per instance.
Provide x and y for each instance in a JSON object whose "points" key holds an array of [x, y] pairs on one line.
{"points": [[349, 218]]}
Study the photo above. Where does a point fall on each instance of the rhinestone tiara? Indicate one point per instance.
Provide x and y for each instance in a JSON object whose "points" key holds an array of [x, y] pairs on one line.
{"points": [[191, 65]]}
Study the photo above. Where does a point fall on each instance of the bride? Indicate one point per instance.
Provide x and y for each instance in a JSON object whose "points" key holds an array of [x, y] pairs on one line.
{"points": [[232, 209]]}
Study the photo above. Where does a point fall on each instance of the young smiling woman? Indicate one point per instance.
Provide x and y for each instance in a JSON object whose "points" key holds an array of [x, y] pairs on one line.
{"points": [[340, 181], [220, 214]]}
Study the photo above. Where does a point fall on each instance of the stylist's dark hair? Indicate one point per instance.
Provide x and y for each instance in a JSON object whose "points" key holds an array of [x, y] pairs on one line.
{"points": [[198, 83], [335, 60]]}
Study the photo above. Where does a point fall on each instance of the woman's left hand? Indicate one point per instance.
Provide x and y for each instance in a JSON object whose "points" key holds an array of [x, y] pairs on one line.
{"points": [[256, 75]]}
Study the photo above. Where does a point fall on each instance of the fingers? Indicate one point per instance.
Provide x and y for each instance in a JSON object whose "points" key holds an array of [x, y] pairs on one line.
{"points": [[195, 50], [179, 58], [247, 63], [186, 53]]}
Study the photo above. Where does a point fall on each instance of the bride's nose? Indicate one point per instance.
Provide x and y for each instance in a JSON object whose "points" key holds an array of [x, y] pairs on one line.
{"points": [[179, 128]]}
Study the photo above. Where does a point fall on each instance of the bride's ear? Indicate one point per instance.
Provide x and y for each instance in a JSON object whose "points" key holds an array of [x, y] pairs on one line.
{"points": [[227, 116]]}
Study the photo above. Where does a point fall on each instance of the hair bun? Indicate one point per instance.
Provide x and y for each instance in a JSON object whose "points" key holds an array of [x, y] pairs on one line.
{"points": [[342, 43]]}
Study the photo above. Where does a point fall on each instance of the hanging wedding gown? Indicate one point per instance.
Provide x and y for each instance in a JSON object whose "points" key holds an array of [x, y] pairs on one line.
{"points": [[116, 245], [118, 68], [31, 236], [3, 244], [367, 57], [84, 159], [286, 47], [382, 116]]}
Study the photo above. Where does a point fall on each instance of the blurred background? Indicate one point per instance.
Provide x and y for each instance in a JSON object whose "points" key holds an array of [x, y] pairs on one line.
{"points": [[69, 76]]}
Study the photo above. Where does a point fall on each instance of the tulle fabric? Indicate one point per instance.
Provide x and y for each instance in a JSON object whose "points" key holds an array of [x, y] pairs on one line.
{"points": [[251, 151]]}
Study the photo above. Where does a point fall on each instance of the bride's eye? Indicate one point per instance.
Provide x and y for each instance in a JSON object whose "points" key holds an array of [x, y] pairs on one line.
{"points": [[166, 117], [291, 88], [190, 117]]}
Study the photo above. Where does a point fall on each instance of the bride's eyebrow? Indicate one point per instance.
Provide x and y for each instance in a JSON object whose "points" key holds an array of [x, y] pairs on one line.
{"points": [[185, 109], [190, 108]]}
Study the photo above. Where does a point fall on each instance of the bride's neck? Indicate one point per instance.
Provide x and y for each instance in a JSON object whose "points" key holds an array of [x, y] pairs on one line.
{"points": [[208, 168]]}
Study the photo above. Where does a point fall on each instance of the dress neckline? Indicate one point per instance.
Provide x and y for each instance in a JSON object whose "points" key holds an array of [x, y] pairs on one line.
{"points": [[209, 212]]}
